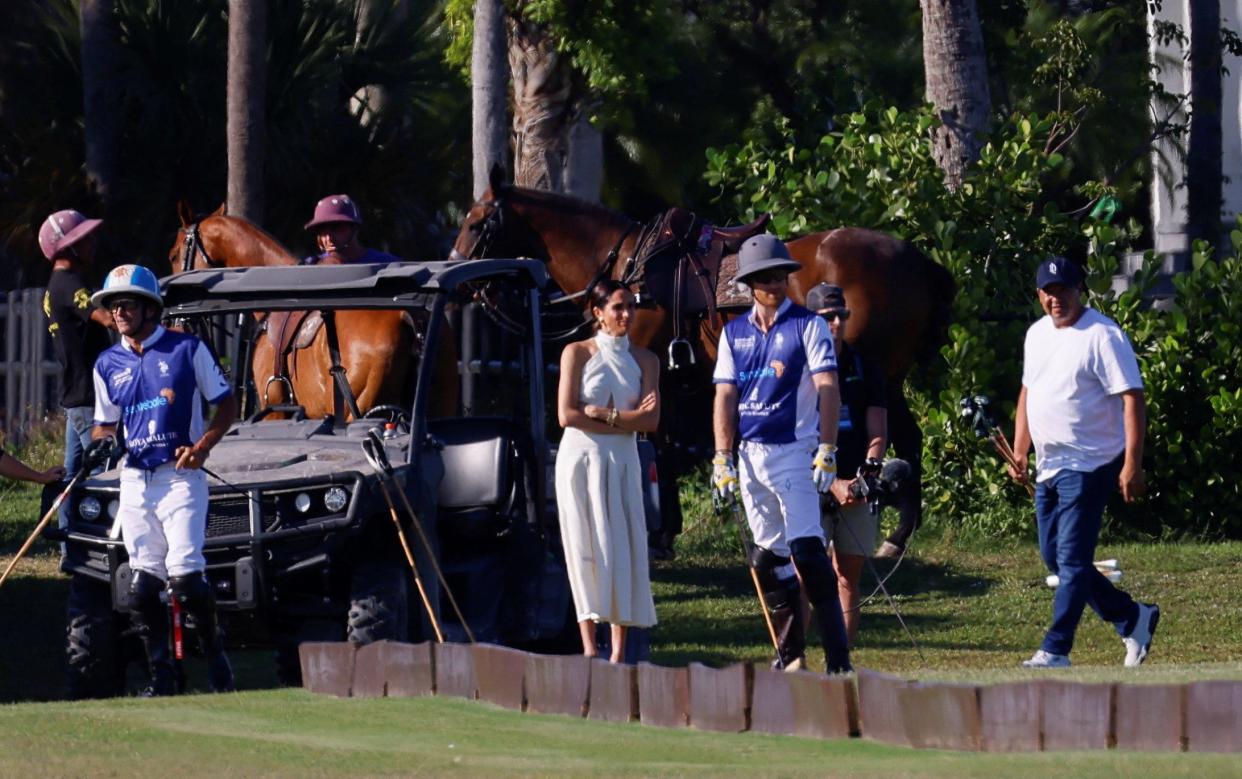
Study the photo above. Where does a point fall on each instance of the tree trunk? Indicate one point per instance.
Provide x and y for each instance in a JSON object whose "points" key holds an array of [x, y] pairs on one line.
{"points": [[100, 91], [956, 77], [246, 122], [374, 17], [1204, 156], [542, 107], [489, 89], [584, 165]]}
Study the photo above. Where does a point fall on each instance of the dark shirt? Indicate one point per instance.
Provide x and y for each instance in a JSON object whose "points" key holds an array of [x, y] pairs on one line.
{"points": [[76, 338], [862, 386], [368, 256]]}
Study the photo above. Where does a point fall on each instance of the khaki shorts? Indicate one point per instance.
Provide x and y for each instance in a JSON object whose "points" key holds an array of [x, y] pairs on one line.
{"points": [[852, 529]]}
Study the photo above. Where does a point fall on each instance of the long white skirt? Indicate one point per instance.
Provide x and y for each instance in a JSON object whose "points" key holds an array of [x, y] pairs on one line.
{"points": [[599, 498]]}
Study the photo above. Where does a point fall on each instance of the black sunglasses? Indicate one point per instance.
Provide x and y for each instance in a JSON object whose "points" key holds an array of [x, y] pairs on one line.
{"points": [[835, 313]]}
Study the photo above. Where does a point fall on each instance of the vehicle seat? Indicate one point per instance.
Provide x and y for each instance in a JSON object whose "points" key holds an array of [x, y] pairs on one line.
{"points": [[477, 492]]}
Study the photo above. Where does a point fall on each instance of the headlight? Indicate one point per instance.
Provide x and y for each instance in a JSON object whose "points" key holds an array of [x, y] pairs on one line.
{"points": [[302, 502], [335, 499], [113, 507], [89, 508]]}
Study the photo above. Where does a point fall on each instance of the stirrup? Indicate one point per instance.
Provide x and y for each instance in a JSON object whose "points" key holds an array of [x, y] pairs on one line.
{"points": [[275, 379], [680, 354]]}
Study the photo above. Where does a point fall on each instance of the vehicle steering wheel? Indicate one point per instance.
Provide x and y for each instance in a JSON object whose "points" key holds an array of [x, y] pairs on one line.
{"points": [[390, 412]]}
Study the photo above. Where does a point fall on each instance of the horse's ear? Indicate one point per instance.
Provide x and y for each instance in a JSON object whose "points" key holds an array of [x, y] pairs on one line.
{"points": [[184, 213], [222, 210], [496, 177]]}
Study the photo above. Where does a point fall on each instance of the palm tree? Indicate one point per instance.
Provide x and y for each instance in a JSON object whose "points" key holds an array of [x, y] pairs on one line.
{"points": [[1203, 148], [542, 106], [956, 76], [101, 84], [246, 124], [489, 88]]}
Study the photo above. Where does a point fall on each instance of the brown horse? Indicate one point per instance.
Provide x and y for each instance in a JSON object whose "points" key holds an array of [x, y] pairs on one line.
{"points": [[899, 299], [375, 345]]}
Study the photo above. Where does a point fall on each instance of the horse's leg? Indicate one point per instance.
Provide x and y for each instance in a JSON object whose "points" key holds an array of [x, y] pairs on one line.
{"points": [[907, 441]]}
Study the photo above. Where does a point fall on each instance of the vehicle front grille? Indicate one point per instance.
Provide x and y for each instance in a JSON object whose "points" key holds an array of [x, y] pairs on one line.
{"points": [[231, 516]]}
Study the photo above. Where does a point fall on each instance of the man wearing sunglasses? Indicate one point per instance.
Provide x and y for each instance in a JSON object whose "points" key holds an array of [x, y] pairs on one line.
{"points": [[862, 434], [776, 391], [155, 381]]}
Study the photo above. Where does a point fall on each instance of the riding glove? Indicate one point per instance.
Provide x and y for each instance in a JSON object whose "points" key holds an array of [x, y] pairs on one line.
{"points": [[824, 467], [724, 475]]}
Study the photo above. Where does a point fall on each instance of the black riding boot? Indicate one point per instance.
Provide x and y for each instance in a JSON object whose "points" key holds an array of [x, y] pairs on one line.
{"points": [[790, 638], [784, 601], [820, 581], [194, 594], [150, 616]]}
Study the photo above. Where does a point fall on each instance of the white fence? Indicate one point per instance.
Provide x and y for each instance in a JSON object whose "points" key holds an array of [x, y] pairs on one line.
{"points": [[29, 373]]}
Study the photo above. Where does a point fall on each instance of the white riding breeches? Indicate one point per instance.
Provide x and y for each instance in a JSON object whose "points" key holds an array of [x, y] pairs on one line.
{"points": [[163, 517], [778, 493]]}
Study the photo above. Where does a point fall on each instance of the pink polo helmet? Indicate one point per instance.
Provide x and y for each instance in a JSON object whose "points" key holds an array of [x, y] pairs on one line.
{"points": [[335, 208], [62, 230]]}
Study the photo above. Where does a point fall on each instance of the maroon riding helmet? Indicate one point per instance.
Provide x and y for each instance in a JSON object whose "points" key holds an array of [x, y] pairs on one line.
{"points": [[335, 209], [62, 230]]}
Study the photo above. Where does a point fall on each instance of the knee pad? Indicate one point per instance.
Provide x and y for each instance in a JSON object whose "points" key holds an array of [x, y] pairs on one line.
{"points": [[811, 557], [192, 591], [144, 593], [776, 577]]}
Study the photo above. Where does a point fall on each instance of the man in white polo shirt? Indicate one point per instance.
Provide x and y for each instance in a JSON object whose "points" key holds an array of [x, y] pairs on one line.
{"points": [[1082, 404]]}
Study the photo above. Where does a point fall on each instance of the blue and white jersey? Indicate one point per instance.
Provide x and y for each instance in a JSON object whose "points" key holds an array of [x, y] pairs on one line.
{"points": [[777, 401], [158, 393]]}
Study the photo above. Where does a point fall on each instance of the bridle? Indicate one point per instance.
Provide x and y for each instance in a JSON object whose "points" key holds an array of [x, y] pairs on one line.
{"points": [[492, 224], [191, 247]]}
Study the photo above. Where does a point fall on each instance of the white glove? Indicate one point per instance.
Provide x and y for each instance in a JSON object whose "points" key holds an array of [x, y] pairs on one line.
{"points": [[724, 475], [824, 467]]}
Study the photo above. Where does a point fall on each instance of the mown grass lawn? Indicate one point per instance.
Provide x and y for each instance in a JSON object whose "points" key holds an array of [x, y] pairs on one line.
{"points": [[294, 733], [975, 608]]}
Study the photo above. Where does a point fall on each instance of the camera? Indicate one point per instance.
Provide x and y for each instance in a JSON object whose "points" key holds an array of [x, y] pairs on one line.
{"points": [[878, 483]]}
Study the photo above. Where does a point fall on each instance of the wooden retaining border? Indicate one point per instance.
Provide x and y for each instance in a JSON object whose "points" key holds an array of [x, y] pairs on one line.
{"points": [[1037, 715]]}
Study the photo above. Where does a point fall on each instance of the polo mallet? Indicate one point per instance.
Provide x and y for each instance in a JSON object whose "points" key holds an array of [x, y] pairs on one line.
{"points": [[731, 505], [975, 409], [405, 544], [98, 454], [377, 457]]}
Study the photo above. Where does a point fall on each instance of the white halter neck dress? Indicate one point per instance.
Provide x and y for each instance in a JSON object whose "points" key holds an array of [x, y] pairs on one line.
{"points": [[600, 500]]}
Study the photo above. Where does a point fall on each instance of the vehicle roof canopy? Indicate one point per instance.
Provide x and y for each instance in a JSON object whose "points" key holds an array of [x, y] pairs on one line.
{"points": [[295, 287]]}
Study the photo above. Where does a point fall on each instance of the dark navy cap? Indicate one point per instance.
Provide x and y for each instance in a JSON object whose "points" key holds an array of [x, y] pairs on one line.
{"points": [[1058, 270], [823, 296]]}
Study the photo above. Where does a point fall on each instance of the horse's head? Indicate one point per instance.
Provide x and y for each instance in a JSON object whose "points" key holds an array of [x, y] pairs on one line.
{"points": [[188, 251], [218, 240], [493, 227]]}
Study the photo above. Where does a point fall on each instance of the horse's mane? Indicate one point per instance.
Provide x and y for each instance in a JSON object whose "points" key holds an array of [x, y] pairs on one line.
{"points": [[266, 240], [566, 204]]}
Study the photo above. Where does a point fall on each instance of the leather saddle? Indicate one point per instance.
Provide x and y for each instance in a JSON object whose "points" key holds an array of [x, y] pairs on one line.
{"points": [[288, 331], [679, 265]]}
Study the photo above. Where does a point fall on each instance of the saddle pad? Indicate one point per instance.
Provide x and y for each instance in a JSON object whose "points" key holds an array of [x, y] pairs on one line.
{"points": [[307, 330], [729, 294]]}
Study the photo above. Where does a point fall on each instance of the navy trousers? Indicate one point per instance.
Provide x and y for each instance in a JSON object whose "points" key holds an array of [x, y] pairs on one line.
{"points": [[1068, 509]]}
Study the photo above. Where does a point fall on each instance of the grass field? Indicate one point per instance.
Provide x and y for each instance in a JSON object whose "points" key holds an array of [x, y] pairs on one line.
{"points": [[294, 733], [976, 609]]}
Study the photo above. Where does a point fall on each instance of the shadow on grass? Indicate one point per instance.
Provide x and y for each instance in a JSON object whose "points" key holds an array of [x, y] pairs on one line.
{"points": [[710, 613]]}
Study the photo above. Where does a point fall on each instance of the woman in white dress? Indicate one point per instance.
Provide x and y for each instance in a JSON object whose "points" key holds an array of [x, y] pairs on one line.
{"points": [[608, 393]]}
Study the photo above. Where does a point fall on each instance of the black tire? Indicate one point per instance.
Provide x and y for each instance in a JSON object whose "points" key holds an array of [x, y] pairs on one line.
{"points": [[379, 603], [95, 648]]}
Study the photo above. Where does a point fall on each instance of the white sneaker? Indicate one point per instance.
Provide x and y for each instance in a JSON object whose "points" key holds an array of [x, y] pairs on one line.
{"points": [[1138, 643], [1042, 659]]}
